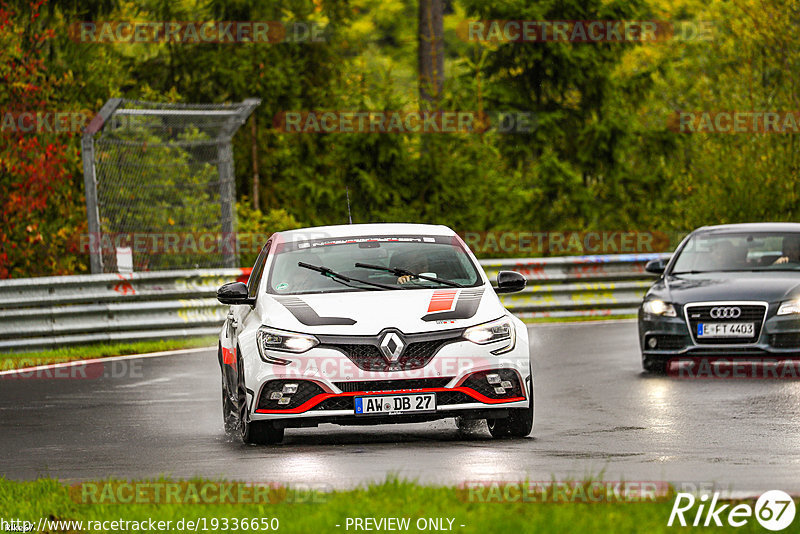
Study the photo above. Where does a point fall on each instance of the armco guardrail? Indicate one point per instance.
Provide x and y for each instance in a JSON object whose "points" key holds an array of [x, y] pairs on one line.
{"points": [[72, 310], [577, 286], [47, 312]]}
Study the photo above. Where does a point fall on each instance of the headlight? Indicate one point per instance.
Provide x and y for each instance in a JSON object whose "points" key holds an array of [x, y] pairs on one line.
{"points": [[272, 339], [789, 307], [498, 330], [659, 307]]}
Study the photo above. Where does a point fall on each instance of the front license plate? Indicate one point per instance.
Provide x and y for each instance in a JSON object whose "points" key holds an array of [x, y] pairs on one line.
{"points": [[709, 330], [396, 404]]}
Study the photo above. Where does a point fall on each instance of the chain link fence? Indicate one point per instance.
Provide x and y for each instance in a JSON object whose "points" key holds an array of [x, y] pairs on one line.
{"points": [[160, 189]]}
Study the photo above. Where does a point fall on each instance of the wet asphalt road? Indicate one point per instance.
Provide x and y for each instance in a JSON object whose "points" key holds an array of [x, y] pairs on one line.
{"points": [[596, 414]]}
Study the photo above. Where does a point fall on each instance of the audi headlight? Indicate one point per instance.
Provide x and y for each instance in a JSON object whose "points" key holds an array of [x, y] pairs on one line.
{"points": [[272, 339], [659, 307], [494, 331], [789, 307]]}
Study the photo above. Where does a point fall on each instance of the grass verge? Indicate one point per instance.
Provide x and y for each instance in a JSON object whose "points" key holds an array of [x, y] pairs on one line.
{"points": [[329, 512], [104, 350]]}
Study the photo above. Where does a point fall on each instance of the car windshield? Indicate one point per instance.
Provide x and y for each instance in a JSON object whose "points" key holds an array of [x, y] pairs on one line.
{"points": [[441, 257], [763, 251]]}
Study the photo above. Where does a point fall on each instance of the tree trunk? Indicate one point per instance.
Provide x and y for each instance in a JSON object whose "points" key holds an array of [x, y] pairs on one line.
{"points": [[430, 53]]}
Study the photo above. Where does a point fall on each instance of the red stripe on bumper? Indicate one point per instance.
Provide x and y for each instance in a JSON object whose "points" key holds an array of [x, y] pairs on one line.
{"points": [[310, 403]]}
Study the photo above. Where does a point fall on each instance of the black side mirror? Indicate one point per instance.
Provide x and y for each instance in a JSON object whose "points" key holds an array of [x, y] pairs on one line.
{"points": [[233, 293], [656, 266], [509, 282]]}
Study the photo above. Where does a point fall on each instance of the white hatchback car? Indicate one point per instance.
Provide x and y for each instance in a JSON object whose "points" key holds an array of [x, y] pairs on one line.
{"points": [[371, 324]]}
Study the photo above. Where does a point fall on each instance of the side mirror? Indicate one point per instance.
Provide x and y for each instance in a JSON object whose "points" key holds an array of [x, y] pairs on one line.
{"points": [[233, 293], [509, 282], [656, 266]]}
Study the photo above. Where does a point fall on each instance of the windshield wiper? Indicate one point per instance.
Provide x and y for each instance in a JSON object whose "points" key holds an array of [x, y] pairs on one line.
{"points": [[324, 271], [404, 272]]}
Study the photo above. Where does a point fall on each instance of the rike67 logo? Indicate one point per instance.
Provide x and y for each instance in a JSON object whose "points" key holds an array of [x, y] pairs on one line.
{"points": [[774, 510]]}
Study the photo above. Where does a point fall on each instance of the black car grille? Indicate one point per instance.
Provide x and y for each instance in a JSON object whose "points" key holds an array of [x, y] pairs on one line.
{"points": [[392, 385], [666, 342], [366, 357], [480, 383], [785, 341], [305, 390], [364, 351], [751, 313], [370, 358]]}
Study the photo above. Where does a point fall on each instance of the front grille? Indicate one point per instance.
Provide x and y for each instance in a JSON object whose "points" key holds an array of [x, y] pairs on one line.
{"points": [[785, 341], [366, 357], [370, 358], [751, 313], [392, 385], [666, 342], [480, 383], [305, 390], [364, 351], [423, 349]]}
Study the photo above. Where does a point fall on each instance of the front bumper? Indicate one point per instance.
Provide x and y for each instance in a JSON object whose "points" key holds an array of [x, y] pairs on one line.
{"points": [[454, 396], [779, 339]]}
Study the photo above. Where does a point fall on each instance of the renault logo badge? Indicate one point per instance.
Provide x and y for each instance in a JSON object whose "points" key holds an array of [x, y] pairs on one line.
{"points": [[392, 346]]}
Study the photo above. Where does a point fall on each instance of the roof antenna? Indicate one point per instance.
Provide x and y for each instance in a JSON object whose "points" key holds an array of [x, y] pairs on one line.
{"points": [[349, 215]]}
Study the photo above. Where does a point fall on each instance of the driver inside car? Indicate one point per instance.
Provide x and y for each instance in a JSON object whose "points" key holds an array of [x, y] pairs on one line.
{"points": [[416, 263], [791, 250]]}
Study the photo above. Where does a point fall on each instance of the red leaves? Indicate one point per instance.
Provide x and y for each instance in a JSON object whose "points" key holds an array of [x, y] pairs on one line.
{"points": [[34, 177]]}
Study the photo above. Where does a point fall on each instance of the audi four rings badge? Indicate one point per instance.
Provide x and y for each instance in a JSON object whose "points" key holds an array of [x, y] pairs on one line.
{"points": [[733, 312]]}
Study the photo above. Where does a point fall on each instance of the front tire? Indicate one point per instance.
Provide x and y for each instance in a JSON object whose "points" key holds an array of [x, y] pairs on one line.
{"points": [[253, 432], [262, 433], [518, 424], [468, 426], [230, 415]]}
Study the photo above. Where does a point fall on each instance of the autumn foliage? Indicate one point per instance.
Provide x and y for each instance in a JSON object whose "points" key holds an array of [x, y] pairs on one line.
{"points": [[35, 184]]}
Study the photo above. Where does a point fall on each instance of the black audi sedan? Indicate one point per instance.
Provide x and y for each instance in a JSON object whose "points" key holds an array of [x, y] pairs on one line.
{"points": [[728, 291]]}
